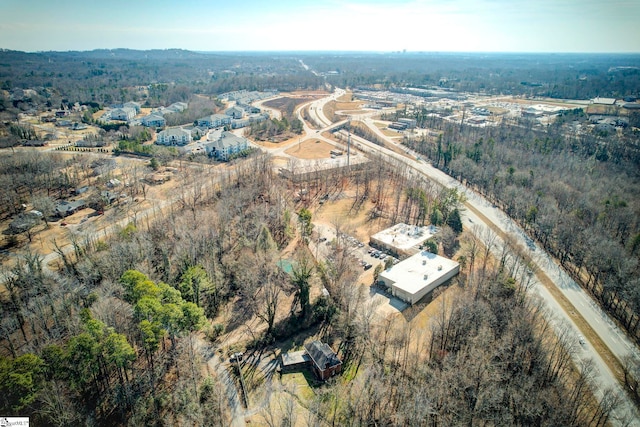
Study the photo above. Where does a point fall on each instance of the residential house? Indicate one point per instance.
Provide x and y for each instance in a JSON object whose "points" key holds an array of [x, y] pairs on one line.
{"points": [[226, 146], [153, 120], [174, 136], [214, 134], [197, 132], [214, 120], [34, 143], [235, 112], [114, 182], [124, 113], [81, 190], [248, 108], [253, 118], [233, 96], [134, 105], [65, 208], [324, 361], [109, 197], [177, 107]]}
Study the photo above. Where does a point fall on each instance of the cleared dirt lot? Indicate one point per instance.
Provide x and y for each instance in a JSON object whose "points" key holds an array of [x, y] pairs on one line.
{"points": [[311, 149]]}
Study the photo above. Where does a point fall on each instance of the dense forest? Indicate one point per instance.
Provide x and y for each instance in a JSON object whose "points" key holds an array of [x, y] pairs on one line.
{"points": [[569, 76], [577, 196], [110, 76], [120, 334], [104, 77]]}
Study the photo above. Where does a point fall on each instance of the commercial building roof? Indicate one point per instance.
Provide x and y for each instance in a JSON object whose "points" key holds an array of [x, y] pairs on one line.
{"points": [[604, 101], [402, 237], [418, 272]]}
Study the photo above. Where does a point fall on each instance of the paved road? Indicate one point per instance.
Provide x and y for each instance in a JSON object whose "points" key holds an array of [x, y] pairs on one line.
{"points": [[216, 364], [606, 329]]}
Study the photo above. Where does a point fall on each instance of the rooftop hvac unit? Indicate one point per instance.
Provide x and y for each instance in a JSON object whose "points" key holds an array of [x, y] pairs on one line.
{"points": [[426, 276], [424, 262], [439, 267]]}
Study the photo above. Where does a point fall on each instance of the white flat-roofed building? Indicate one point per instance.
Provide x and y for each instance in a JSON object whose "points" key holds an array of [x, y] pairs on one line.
{"points": [[412, 279], [403, 239], [604, 101]]}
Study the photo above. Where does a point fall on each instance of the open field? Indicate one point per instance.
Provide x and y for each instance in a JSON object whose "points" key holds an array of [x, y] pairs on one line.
{"points": [[383, 126], [311, 149], [338, 110], [289, 102]]}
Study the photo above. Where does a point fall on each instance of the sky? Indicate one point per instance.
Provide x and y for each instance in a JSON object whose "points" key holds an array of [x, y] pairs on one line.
{"points": [[608, 26]]}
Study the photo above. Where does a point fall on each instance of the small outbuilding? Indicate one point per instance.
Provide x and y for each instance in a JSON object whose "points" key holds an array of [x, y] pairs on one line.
{"points": [[295, 360]]}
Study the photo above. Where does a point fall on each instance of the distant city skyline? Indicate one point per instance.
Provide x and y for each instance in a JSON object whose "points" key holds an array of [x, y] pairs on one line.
{"points": [[584, 26]]}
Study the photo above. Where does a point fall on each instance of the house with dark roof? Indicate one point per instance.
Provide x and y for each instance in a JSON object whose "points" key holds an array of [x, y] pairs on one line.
{"points": [[324, 361], [316, 355], [65, 208]]}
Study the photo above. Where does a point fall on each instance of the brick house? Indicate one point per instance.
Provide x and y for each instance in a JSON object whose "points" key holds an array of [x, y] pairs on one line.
{"points": [[324, 361]]}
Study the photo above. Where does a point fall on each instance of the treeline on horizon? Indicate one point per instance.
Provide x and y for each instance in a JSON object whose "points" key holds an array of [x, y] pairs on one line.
{"points": [[107, 76]]}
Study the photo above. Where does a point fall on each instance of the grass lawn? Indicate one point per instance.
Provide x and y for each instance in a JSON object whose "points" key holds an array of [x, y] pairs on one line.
{"points": [[303, 382]]}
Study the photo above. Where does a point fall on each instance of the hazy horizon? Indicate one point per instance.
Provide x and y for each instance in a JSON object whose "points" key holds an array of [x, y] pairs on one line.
{"points": [[455, 26], [337, 52]]}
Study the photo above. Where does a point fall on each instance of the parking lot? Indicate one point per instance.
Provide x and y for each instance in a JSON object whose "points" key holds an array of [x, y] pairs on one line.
{"points": [[364, 255]]}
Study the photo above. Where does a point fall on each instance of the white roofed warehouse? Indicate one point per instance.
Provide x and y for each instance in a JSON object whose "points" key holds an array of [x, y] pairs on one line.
{"points": [[403, 239], [413, 278]]}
